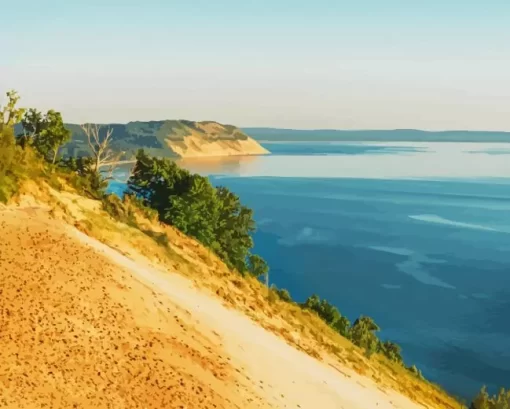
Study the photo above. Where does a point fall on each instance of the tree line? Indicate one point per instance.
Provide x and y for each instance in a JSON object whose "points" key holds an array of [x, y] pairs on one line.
{"points": [[362, 332], [213, 215]]}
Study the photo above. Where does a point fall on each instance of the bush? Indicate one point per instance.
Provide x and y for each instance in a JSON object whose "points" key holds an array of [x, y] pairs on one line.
{"points": [[114, 206], [416, 372], [15, 164], [125, 209], [136, 204], [329, 313], [484, 401], [362, 334], [284, 295], [83, 178], [257, 266], [7, 159], [281, 294], [391, 351]]}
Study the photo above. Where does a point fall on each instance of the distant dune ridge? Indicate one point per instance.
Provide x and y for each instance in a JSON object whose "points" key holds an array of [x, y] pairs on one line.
{"points": [[171, 138]]}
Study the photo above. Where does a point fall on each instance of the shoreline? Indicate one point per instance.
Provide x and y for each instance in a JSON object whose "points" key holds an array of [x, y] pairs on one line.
{"points": [[119, 162], [193, 157]]}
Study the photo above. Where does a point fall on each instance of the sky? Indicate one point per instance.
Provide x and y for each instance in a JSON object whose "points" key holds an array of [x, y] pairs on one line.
{"points": [[356, 64]]}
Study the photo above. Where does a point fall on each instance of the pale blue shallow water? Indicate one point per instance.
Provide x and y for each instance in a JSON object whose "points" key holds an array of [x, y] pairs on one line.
{"points": [[415, 235]]}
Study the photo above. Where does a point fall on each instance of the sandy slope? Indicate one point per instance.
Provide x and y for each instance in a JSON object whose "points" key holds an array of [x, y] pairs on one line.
{"points": [[81, 325], [202, 140], [195, 146]]}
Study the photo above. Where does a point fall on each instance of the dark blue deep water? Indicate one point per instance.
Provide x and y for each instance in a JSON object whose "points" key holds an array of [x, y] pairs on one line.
{"points": [[415, 235]]}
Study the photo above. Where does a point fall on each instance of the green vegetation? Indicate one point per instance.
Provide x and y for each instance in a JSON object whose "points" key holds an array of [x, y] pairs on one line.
{"points": [[362, 333], [257, 266], [329, 313], [282, 293], [10, 115], [8, 170], [30, 143], [45, 133], [83, 177], [14, 162], [214, 216], [152, 136], [159, 188], [484, 401]]}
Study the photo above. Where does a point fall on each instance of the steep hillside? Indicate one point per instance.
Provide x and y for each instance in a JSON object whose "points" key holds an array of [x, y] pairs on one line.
{"points": [[98, 313], [171, 139]]}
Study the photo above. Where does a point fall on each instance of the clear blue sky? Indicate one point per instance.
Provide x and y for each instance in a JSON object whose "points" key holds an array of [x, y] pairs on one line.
{"points": [[367, 64]]}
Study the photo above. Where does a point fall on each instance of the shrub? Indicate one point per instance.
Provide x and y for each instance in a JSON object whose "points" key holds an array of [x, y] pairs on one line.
{"points": [[83, 178], [329, 313], [136, 204], [7, 159], [362, 334], [281, 294], [284, 295], [391, 350], [114, 206], [484, 401], [15, 164], [416, 372]]}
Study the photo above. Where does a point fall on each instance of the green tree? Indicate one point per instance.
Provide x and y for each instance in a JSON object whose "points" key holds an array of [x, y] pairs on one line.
{"points": [[11, 161], [257, 267], [90, 182], [283, 294], [155, 180], [392, 351], [363, 334], [415, 371], [33, 123], [195, 212], [343, 326], [51, 136], [502, 401], [215, 216], [312, 303], [329, 313], [7, 151], [234, 229], [9, 114], [482, 400]]}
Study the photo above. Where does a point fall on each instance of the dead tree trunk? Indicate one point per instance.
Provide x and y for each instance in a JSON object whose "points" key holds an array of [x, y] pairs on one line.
{"points": [[99, 144]]}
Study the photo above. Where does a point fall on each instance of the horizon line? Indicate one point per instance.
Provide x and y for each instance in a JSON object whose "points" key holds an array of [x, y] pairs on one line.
{"points": [[302, 129]]}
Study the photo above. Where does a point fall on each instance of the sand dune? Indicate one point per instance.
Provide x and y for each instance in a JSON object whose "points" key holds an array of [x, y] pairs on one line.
{"points": [[84, 326]]}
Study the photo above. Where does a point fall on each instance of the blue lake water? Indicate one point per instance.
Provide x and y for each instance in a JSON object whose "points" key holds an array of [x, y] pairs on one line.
{"points": [[416, 235]]}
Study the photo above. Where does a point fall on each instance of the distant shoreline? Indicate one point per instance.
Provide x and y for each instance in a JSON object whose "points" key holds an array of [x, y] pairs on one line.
{"points": [[374, 141], [196, 158], [371, 136]]}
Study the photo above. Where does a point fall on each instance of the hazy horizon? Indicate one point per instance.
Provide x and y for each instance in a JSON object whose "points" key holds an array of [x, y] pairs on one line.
{"points": [[371, 65], [298, 129]]}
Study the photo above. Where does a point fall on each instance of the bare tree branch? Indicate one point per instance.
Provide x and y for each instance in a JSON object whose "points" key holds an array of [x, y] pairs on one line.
{"points": [[100, 146]]}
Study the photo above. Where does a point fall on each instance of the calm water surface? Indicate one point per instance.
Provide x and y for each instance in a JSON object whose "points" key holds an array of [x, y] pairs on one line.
{"points": [[416, 235]]}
